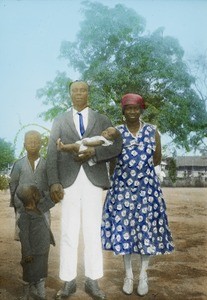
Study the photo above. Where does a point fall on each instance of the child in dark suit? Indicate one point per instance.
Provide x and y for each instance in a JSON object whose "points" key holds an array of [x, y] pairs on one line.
{"points": [[29, 169], [35, 237]]}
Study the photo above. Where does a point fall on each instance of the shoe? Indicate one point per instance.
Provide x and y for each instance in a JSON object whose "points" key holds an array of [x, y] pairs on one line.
{"points": [[128, 286], [142, 288], [68, 289], [37, 291], [93, 290]]}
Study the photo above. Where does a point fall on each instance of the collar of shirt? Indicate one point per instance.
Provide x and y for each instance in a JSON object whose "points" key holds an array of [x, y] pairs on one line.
{"points": [[36, 162], [84, 113]]}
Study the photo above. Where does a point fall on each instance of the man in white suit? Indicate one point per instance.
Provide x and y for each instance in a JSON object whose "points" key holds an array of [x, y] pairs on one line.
{"points": [[79, 187]]}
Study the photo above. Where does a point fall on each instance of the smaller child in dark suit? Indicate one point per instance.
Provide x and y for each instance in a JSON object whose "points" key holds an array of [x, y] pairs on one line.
{"points": [[35, 237]]}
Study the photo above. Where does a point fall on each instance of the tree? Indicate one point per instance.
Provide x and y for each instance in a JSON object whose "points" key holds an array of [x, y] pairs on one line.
{"points": [[115, 55], [55, 95], [7, 154], [172, 168], [198, 66]]}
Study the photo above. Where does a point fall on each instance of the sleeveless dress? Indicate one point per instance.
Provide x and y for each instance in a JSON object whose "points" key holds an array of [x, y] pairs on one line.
{"points": [[134, 215]]}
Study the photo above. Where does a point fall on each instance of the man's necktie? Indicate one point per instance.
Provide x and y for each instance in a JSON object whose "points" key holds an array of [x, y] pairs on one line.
{"points": [[82, 129]]}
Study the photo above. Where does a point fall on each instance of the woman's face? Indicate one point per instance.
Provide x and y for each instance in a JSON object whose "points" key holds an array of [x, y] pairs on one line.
{"points": [[132, 113]]}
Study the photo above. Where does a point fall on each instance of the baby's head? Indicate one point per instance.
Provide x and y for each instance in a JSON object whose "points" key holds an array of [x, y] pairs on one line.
{"points": [[110, 133], [28, 194]]}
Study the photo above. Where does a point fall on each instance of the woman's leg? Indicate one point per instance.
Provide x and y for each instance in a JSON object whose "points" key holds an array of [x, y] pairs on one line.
{"points": [[128, 280], [142, 288]]}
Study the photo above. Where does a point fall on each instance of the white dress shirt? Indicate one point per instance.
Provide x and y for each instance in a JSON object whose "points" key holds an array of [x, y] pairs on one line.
{"points": [[84, 113]]}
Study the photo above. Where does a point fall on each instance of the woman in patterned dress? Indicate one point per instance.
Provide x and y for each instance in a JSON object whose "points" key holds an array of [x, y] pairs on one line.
{"points": [[134, 215]]}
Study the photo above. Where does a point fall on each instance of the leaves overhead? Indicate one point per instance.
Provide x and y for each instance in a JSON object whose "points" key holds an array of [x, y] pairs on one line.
{"points": [[55, 95], [115, 54]]}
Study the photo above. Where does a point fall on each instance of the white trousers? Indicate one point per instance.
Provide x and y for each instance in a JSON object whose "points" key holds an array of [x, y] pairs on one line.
{"points": [[82, 205]]}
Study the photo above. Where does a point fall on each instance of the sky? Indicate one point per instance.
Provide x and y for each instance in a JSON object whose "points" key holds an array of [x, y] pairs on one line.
{"points": [[31, 32]]}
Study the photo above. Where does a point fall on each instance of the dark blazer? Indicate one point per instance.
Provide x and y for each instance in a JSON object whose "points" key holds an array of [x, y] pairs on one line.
{"points": [[61, 166], [35, 234], [22, 173]]}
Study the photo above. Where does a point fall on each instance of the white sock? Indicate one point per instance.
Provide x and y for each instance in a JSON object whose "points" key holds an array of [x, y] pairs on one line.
{"points": [[128, 266], [144, 264]]}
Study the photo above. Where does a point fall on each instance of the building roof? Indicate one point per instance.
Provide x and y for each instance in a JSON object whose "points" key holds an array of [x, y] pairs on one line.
{"points": [[196, 161]]}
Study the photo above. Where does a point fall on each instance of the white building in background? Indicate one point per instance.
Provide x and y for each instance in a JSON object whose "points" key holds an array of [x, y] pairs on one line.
{"points": [[191, 166], [191, 171]]}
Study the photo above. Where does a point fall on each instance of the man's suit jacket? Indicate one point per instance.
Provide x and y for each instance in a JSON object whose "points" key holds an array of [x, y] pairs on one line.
{"points": [[61, 166]]}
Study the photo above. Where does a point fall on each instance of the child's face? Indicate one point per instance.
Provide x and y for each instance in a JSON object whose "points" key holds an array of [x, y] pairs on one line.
{"points": [[32, 144], [109, 133]]}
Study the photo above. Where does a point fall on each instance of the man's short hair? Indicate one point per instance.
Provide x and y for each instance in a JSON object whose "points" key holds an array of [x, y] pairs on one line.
{"points": [[32, 132], [70, 83]]}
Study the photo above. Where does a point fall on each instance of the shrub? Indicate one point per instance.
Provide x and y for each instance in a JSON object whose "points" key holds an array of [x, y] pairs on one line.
{"points": [[4, 182]]}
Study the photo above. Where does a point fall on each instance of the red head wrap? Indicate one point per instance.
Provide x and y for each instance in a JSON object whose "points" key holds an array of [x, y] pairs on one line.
{"points": [[132, 99]]}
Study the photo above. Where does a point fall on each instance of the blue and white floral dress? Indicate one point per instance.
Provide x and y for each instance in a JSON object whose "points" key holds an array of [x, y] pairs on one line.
{"points": [[134, 214]]}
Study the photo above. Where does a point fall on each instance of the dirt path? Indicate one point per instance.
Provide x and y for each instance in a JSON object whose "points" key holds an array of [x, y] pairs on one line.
{"points": [[179, 276]]}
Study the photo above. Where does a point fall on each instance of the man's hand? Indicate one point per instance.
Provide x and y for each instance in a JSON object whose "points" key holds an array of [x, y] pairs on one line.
{"points": [[56, 192], [75, 148], [85, 155], [59, 145]]}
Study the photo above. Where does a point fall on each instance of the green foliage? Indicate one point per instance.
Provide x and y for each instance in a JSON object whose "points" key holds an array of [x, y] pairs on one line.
{"points": [[172, 169], [55, 95], [115, 56], [198, 66], [4, 182], [7, 154], [45, 139]]}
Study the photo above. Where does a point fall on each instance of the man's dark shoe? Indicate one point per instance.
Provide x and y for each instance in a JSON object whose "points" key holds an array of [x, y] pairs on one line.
{"points": [[93, 290], [68, 289]]}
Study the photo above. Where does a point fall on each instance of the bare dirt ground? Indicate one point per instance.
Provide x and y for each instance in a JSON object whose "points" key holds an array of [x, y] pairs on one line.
{"points": [[178, 276]]}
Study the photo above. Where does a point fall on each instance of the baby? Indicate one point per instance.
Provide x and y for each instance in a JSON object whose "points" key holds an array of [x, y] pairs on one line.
{"points": [[35, 237], [106, 138]]}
